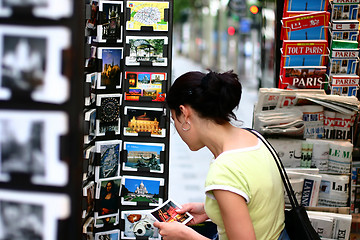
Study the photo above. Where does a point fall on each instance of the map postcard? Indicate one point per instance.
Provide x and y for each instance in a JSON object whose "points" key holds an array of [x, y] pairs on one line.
{"points": [[32, 215], [145, 85], [144, 120], [148, 15], [167, 213], [143, 156], [151, 50], [31, 61], [110, 76], [109, 159], [142, 190], [40, 8], [139, 224], [111, 29], [108, 114], [30, 143]]}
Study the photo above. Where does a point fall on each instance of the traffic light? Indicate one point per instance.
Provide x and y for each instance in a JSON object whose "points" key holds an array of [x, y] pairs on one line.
{"points": [[231, 31], [254, 9]]}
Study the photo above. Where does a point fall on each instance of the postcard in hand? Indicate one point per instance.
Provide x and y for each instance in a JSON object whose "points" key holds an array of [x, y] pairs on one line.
{"points": [[111, 68], [344, 9], [143, 156], [147, 14], [145, 84], [143, 190], [111, 29], [303, 77], [144, 120], [167, 213], [303, 53], [312, 26], [147, 49], [139, 224]]}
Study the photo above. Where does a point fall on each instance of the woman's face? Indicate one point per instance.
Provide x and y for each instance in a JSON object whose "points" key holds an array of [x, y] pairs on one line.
{"points": [[108, 186]]}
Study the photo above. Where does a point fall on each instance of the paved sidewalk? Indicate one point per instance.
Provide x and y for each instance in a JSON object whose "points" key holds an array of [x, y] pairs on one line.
{"points": [[188, 169]]}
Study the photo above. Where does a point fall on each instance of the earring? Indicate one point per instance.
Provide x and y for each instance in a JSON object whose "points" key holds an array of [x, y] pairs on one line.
{"points": [[185, 129]]}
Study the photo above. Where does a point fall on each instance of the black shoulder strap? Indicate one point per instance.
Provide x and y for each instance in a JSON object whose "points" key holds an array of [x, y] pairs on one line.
{"points": [[279, 164]]}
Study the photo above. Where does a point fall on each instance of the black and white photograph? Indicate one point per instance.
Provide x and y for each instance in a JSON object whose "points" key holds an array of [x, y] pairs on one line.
{"points": [[31, 215], [31, 63], [112, 28], [139, 224], [146, 49], [109, 152], [141, 190], [30, 144], [108, 113], [40, 8], [144, 120]]}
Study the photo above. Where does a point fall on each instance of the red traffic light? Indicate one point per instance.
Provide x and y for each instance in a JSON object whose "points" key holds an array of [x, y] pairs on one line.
{"points": [[254, 9], [231, 30]]}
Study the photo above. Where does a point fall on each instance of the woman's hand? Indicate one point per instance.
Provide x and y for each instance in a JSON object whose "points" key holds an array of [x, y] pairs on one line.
{"points": [[196, 210], [177, 231]]}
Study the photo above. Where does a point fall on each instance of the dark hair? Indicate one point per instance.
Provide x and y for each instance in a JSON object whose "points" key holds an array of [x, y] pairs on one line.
{"points": [[213, 95]]}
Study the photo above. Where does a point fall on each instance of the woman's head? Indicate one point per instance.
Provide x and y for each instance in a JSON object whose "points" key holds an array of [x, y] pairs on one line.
{"points": [[213, 95]]}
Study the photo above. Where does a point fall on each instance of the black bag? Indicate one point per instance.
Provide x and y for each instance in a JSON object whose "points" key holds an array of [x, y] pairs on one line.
{"points": [[297, 222]]}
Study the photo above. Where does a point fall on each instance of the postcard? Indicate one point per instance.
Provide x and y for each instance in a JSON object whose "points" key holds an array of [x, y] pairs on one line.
{"points": [[88, 228], [149, 14], [106, 221], [91, 21], [145, 85], [90, 125], [89, 159], [40, 8], [31, 63], [109, 159], [111, 75], [112, 28], [91, 83], [139, 223], [307, 5], [344, 10], [167, 213], [303, 77], [144, 120], [143, 156], [108, 113], [89, 195], [30, 144], [107, 191], [147, 49], [142, 190], [108, 235], [31, 215]]}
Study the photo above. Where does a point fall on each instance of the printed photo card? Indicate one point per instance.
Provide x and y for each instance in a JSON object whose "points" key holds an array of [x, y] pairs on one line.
{"points": [[111, 74], [138, 224], [39, 8], [89, 198], [31, 215], [90, 88], [108, 235], [31, 63], [110, 28], [143, 121], [30, 143], [109, 163], [147, 16], [141, 191], [167, 213], [145, 86], [89, 161], [143, 157], [107, 195], [88, 228], [108, 114], [149, 51], [89, 125], [91, 20], [109, 221]]}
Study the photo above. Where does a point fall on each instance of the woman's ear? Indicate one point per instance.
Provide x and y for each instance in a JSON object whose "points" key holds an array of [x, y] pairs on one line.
{"points": [[185, 110]]}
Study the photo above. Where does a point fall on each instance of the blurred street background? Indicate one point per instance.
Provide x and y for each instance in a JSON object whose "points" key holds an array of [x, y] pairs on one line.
{"points": [[220, 35]]}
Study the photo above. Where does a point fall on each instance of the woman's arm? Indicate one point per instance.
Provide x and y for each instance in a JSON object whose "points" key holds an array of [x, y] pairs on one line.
{"points": [[235, 215]]}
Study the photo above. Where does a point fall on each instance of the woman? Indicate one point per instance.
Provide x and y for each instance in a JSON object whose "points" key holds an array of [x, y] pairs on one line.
{"points": [[109, 200], [244, 191]]}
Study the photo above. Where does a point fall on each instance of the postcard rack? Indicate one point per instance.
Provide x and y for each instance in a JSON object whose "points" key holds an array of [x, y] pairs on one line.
{"points": [[126, 124], [40, 105]]}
